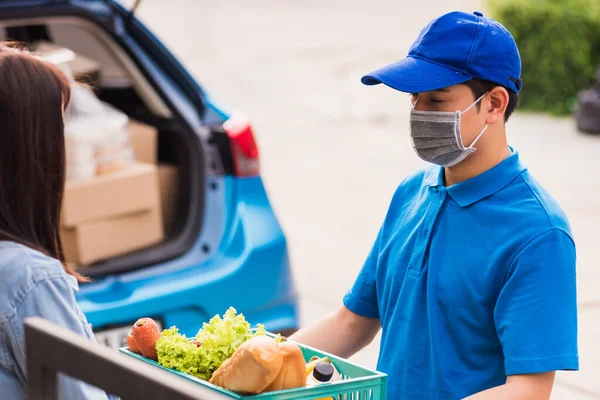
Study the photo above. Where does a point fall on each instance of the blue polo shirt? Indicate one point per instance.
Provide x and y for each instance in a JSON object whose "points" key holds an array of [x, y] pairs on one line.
{"points": [[472, 283]]}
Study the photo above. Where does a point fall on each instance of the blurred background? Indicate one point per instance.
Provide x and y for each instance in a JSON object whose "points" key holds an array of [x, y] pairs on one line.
{"points": [[333, 150]]}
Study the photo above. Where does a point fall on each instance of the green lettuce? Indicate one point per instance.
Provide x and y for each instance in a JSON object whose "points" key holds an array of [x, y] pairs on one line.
{"points": [[217, 340], [178, 352]]}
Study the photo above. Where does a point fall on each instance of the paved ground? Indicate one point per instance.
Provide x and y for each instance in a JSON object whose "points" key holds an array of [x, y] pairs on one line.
{"points": [[334, 151]]}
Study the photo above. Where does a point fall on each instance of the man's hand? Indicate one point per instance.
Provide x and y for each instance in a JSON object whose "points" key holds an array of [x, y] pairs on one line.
{"points": [[341, 333], [520, 387]]}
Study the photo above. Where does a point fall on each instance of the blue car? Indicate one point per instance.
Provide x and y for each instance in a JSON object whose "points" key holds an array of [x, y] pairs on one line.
{"points": [[226, 247]]}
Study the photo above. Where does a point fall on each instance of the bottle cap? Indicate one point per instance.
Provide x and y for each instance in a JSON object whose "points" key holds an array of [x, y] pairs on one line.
{"points": [[323, 371]]}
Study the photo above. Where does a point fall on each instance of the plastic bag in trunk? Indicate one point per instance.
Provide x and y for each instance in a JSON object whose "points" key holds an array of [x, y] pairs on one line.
{"points": [[96, 134]]}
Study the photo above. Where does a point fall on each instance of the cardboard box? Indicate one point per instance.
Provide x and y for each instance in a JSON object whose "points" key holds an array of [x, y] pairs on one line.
{"points": [[144, 140], [110, 237], [124, 192], [168, 176], [111, 215]]}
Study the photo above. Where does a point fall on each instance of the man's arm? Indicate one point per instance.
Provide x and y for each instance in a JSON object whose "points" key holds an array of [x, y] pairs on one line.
{"points": [[342, 333], [536, 317], [520, 387]]}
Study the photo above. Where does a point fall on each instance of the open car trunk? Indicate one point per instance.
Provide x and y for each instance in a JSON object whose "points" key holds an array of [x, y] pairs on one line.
{"points": [[112, 73]]}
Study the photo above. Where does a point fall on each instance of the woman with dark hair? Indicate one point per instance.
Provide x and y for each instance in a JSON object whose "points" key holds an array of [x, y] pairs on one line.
{"points": [[34, 277]]}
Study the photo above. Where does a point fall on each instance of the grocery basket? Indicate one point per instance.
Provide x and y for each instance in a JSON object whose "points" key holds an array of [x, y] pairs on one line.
{"points": [[358, 383]]}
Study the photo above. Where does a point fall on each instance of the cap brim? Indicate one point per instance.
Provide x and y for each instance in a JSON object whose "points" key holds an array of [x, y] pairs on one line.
{"points": [[414, 75]]}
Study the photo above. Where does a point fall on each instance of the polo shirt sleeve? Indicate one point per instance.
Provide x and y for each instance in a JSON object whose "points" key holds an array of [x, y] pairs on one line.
{"points": [[536, 311], [362, 297]]}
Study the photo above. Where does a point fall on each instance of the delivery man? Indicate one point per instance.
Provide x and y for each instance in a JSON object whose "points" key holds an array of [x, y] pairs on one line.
{"points": [[472, 274]]}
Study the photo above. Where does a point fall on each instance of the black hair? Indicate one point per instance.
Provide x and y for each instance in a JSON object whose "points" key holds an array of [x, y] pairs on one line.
{"points": [[479, 87]]}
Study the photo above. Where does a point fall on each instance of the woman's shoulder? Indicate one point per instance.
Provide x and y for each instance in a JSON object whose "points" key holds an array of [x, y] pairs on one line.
{"points": [[24, 262], [21, 268]]}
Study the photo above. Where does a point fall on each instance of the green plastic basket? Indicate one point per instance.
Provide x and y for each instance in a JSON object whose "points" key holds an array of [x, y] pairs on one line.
{"points": [[358, 383]]}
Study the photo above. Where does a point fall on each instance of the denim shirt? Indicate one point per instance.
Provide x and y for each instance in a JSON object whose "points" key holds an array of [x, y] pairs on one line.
{"points": [[32, 284]]}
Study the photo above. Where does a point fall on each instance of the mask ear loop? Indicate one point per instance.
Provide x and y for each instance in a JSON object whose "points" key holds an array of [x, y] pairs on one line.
{"points": [[473, 104], [478, 136], [486, 125]]}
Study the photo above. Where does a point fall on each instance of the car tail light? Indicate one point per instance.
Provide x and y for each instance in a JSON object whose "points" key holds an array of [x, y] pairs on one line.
{"points": [[244, 150]]}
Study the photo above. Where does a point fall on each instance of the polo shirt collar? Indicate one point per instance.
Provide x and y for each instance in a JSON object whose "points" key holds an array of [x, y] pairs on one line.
{"points": [[481, 186]]}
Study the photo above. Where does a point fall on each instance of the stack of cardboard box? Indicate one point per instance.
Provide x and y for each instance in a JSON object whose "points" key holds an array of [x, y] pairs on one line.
{"points": [[114, 214], [122, 204]]}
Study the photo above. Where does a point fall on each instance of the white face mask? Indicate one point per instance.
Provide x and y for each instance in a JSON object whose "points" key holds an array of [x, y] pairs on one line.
{"points": [[436, 136]]}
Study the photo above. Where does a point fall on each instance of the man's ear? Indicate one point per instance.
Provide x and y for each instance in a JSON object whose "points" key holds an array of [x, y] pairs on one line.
{"points": [[498, 101]]}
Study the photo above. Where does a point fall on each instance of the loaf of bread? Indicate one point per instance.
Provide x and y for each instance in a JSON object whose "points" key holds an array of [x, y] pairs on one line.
{"points": [[251, 368], [293, 372]]}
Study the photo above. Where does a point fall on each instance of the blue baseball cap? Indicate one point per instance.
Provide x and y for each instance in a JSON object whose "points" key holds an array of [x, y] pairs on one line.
{"points": [[453, 49]]}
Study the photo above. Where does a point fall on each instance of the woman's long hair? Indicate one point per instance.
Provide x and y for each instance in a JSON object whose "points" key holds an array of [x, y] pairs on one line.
{"points": [[33, 95]]}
